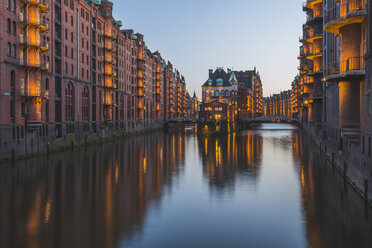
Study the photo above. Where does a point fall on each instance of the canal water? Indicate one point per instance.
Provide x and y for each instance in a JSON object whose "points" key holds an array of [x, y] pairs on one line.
{"points": [[258, 188]]}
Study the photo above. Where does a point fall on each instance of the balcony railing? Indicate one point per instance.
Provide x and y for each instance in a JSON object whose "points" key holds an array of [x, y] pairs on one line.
{"points": [[43, 5], [36, 64], [351, 64], [41, 44], [317, 13], [33, 21], [343, 10]]}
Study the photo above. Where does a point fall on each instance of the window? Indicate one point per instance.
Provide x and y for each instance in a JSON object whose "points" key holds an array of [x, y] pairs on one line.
{"points": [[69, 99], [8, 4], [8, 27], [47, 84], [8, 50], [66, 35], [72, 53], [72, 37], [72, 21], [14, 51], [66, 51], [72, 69], [66, 69], [85, 104], [14, 28], [13, 6], [65, 16]]}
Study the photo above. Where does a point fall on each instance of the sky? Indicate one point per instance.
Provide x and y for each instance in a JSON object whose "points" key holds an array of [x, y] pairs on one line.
{"points": [[198, 35]]}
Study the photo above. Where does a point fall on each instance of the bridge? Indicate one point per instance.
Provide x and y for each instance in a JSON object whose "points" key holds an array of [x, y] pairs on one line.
{"points": [[261, 119], [273, 119]]}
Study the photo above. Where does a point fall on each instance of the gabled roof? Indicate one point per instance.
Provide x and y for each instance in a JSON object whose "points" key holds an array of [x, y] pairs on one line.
{"points": [[218, 78]]}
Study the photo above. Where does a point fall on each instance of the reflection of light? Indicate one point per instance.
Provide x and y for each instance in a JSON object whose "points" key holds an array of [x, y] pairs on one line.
{"points": [[144, 164], [47, 211], [116, 172], [302, 178], [218, 154], [161, 155], [206, 146]]}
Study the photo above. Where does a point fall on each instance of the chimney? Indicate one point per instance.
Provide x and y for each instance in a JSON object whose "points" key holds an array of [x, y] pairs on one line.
{"points": [[228, 71], [210, 72]]}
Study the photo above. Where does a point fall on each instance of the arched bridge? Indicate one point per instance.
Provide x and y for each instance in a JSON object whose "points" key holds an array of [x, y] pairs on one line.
{"points": [[274, 119]]}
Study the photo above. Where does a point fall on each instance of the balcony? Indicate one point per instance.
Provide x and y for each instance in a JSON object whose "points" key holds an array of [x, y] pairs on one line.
{"points": [[313, 37], [34, 64], [315, 71], [110, 48], [110, 61], [42, 46], [41, 4], [109, 36], [317, 15], [352, 68], [109, 74], [354, 11], [311, 3], [36, 22], [316, 53]]}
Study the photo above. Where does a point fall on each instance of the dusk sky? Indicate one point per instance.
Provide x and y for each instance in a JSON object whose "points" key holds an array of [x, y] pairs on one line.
{"points": [[197, 35]]}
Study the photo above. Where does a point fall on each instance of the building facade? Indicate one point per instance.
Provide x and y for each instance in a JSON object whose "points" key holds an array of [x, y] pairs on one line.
{"points": [[241, 90], [69, 70], [334, 102]]}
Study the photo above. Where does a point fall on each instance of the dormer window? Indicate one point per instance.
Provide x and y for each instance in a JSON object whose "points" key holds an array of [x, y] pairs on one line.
{"points": [[219, 82], [210, 82]]}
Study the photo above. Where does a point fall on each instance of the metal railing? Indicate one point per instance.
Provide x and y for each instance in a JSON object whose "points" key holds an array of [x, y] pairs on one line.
{"points": [[350, 64], [342, 10], [316, 13]]}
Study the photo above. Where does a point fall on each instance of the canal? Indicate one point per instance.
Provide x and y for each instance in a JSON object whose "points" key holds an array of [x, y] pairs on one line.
{"points": [[258, 188]]}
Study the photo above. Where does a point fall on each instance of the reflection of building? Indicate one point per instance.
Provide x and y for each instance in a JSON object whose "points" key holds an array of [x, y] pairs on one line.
{"points": [[225, 157], [106, 189], [333, 211]]}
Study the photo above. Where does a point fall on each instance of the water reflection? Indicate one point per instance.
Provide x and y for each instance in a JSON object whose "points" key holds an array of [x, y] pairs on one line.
{"points": [[89, 198], [226, 157], [261, 188], [334, 215]]}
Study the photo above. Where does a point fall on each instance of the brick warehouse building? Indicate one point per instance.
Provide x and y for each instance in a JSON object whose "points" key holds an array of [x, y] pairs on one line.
{"points": [[339, 32], [278, 104], [69, 70], [241, 91]]}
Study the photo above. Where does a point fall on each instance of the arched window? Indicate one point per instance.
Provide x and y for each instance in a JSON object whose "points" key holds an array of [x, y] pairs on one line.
{"points": [[8, 49], [69, 100], [217, 93], [85, 104], [14, 51], [8, 27]]}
